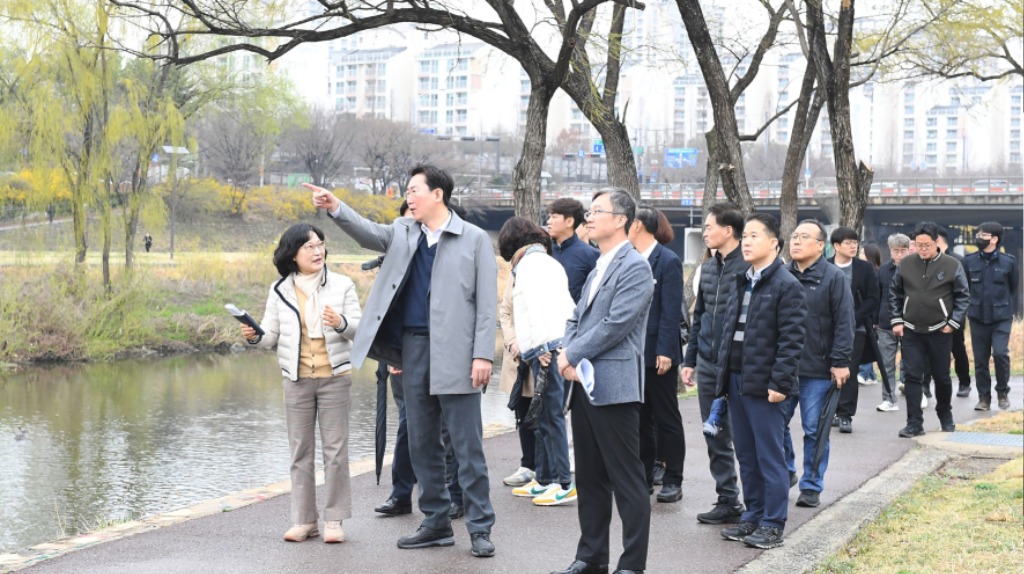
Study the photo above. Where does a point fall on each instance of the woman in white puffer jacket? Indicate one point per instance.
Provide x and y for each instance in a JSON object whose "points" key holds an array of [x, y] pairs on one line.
{"points": [[311, 318]]}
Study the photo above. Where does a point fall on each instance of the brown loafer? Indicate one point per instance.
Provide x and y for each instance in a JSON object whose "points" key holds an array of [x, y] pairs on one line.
{"points": [[333, 532], [300, 532]]}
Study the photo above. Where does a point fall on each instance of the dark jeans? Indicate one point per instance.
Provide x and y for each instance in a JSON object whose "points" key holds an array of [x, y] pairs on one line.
{"points": [[720, 451], [527, 438], [552, 443], [811, 400], [758, 427], [661, 427], [924, 353], [991, 340], [849, 394]]}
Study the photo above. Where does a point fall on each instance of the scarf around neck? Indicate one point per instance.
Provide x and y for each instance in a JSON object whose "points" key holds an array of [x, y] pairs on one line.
{"points": [[310, 286], [522, 253]]}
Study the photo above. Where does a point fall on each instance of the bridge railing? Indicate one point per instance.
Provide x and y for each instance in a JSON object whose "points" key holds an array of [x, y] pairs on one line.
{"points": [[689, 194]]}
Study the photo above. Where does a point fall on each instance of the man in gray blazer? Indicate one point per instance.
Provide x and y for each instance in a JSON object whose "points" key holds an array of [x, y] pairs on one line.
{"points": [[432, 313], [607, 330]]}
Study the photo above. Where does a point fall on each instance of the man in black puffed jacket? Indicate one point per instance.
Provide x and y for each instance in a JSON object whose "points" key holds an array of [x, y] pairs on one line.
{"points": [[927, 302]]}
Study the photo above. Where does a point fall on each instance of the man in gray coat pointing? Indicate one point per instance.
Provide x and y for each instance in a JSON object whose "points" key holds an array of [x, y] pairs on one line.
{"points": [[432, 314]]}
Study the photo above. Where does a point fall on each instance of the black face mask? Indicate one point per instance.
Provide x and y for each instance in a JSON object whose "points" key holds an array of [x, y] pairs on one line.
{"points": [[982, 244]]}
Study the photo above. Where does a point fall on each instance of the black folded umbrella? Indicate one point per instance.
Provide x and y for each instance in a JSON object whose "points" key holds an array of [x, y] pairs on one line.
{"points": [[828, 412], [381, 428], [540, 385]]}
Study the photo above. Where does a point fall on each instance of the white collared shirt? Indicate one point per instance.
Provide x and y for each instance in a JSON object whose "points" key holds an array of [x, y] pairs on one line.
{"points": [[434, 236], [602, 265], [647, 252]]}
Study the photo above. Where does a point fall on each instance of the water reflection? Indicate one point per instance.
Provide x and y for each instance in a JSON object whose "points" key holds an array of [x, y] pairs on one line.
{"points": [[123, 440]]}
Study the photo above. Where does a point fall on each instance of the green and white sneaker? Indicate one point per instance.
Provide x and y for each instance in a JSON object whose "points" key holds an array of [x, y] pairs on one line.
{"points": [[556, 495], [531, 489]]}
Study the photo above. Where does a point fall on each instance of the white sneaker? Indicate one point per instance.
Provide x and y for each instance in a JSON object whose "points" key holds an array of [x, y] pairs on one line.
{"points": [[862, 381], [924, 402], [887, 407], [518, 478]]}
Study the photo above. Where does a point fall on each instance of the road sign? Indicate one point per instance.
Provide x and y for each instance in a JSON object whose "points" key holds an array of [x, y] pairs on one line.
{"points": [[599, 148], [686, 202], [677, 157], [807, 173], [583, 154]]}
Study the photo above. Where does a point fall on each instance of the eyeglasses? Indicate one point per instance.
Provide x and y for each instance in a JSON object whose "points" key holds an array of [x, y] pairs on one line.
{"points": [[595, 212], [920, 245], [850, 243], [801, 237], [314, 247], [409, 192]]}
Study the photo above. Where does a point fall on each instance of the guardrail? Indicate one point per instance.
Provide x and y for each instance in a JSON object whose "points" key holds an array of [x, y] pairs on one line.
{"points": [[687, 195]]}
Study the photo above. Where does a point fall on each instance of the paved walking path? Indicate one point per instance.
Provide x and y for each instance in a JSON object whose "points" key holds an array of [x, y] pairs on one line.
{"points": [[528, 539]]}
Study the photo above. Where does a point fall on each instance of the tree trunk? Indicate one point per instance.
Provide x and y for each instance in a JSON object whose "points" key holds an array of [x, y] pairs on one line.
{"points": [[619, 153], [710, 175], [807, 110], [134, 211], [526, 177], [734, 180], [105, 224]]}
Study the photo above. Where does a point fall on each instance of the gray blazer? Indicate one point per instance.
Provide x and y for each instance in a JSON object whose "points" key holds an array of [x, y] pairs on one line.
{"points": [[463, 298], [610, 330]]}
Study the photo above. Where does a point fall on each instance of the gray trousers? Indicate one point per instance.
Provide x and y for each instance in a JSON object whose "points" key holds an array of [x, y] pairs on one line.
{"points": [[720, 449], [887, 344], [461, 413], [325, 401]]}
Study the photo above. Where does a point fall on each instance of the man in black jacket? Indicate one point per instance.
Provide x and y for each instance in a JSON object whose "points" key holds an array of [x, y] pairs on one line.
{"points": [[929, 300], [826, 353], [864, 287], [993, 278], [722, 230], [661, 424], [758, 364]]}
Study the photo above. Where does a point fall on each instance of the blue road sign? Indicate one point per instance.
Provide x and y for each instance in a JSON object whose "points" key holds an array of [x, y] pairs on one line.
{"points": [[686, 202], [677, 157], [583, 154], [599, 148]]}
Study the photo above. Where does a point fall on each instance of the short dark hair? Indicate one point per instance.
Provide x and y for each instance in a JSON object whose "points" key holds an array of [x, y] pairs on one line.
{"points": [[622, 202], [437, 178], [770, 224], [568, 207], [665, 233], [402, 209], [992, 228], [944, 233], [929, 228], [842, 233], [648, 217], [288, 247], [518, 232], [822, 235], [728, 214]]}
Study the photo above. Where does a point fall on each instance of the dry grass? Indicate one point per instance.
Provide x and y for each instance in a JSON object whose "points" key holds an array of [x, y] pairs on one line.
{"points": [[1010, 422], [944, 524]]}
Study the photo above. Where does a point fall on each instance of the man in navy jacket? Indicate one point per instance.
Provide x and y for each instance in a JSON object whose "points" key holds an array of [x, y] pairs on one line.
{"points": [[661, 425], [576, 256]]}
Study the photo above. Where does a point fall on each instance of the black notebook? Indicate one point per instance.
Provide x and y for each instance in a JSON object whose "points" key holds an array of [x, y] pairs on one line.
{"points": [[245, 318]]}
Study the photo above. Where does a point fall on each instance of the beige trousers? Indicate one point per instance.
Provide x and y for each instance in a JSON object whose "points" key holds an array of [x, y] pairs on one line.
{"points": [[308, 401]]}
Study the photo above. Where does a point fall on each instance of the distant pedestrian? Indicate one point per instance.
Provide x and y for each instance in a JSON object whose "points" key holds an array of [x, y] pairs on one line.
{"points": [[961, 364], [928, 302], [888, 344], [541, 308], [722, 230], [866, 373], [994, 279], [311, 319], [661, 424], [863, 281], [826, 353], [147, 240], [758, 368], [565, 217]]}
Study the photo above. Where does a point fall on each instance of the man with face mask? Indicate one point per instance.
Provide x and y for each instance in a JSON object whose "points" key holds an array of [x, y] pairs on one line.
{"points": [[993, 277]]}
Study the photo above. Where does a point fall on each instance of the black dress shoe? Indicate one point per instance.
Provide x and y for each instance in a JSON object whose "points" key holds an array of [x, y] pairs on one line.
{"points": [[580, 567], [456, 511], [394, 508], [620, 571], [964, 391], [482, 545], [659, 475], [427, 538], [670, 493]]}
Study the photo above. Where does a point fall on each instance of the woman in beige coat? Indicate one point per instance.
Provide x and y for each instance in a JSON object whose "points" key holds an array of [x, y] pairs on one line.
{"points": [[311, 318]]}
